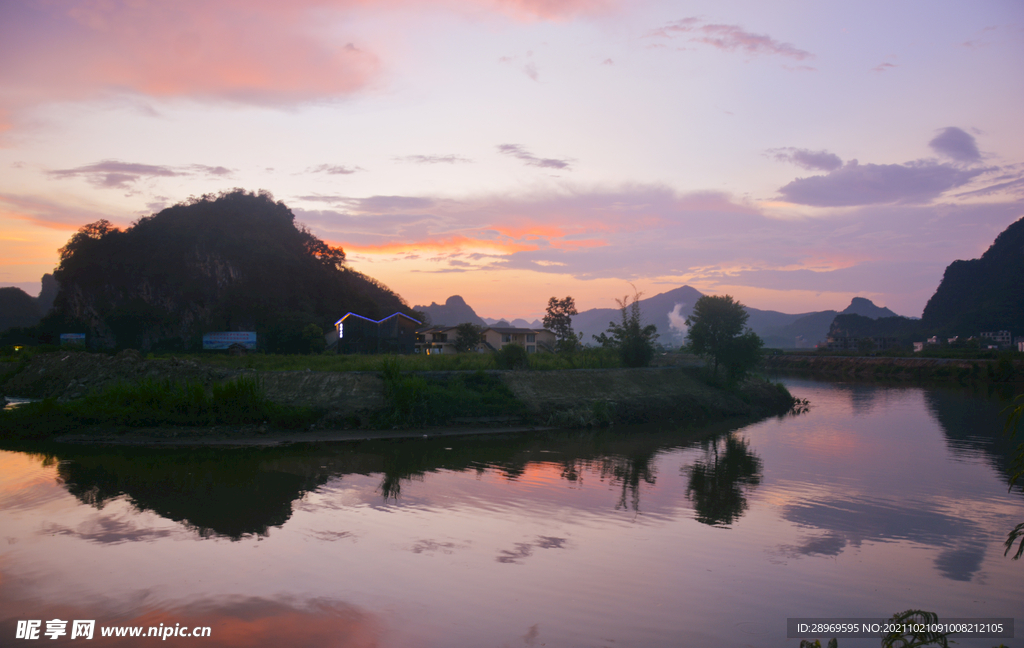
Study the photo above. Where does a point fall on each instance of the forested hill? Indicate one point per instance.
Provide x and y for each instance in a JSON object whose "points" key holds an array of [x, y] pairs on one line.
{"points": [[233, 262], [985, 294], [975, 296]]}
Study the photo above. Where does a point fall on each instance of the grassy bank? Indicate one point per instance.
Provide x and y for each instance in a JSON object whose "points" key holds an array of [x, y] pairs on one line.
{"points": [[152, 403], [414, 400], [594, 358], [1004, 369]]}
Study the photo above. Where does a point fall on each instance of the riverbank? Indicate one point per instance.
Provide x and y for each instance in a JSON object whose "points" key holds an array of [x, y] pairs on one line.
{"points": [[365, 401], [900, 369]]}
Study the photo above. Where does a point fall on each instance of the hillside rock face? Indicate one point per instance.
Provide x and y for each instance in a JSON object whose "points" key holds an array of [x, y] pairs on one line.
{"points": [[985, 294], [234, 262]]}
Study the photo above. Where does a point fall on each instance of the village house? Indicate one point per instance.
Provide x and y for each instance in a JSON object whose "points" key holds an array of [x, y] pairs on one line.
{"points": [[441, 339]]}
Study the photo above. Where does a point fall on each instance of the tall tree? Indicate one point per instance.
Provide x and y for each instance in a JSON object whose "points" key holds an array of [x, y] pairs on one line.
{"points": [[559, 321], [716, 331], [467, 336], [633, 340]]}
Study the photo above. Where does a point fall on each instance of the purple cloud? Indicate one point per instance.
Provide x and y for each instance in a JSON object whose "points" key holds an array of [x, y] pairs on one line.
{"points": [[115, 174], [882, 67], [731, 38], [812, 160], [873, 184], [517, 151], [218, 171], [378, 204], [120, 175], [956, 144]]}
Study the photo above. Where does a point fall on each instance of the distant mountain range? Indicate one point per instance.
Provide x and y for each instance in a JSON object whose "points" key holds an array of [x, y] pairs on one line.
{"points": [[668, 311]]}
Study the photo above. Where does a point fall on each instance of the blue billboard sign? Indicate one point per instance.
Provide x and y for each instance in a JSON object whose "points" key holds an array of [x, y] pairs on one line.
{"points": [[215, 341]]}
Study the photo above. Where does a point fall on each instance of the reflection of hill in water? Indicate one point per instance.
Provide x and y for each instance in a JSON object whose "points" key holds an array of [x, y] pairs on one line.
{"points": [[234, 492], [973, 423]]}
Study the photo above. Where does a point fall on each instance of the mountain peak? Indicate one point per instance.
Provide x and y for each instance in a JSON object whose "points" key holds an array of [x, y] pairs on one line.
{"points": [[867, 308], [453, 312]]}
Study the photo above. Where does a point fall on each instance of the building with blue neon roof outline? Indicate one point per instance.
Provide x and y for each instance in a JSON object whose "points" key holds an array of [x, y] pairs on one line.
{"points": [[355, 333]]}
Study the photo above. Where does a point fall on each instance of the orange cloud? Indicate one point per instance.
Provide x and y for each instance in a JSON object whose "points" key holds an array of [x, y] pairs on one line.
{"points": [[576, 245], [450, 244]]}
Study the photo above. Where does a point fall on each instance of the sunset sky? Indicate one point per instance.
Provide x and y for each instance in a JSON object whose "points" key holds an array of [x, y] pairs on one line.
{"points": [[791, 154]]}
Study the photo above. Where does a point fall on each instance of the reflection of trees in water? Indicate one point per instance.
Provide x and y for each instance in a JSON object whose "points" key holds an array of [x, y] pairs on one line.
{"points": [[227, 493], [629, 472], [717, 484], [627, 461], [235, 492]]}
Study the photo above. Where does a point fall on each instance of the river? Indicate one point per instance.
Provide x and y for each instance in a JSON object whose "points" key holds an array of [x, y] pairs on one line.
{"points": [[877, 500]]}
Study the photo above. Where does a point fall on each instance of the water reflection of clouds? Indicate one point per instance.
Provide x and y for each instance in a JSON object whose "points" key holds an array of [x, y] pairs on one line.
{"points": [[241, 621], [104, 529], [331, 536], [525, 549], [856, 521], [433, 546], [28, 483]]}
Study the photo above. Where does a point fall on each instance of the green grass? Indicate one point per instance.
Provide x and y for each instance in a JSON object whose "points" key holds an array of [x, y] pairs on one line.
{"points": [[153, 403], [589, 358], [414, 400]]}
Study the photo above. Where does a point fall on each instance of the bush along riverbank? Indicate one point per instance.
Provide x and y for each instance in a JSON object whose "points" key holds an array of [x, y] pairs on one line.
{"points": [[126, 391], [1002, 370], [152, 403]]}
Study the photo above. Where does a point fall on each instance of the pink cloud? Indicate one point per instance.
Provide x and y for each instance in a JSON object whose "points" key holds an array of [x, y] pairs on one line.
{"points": [[552, 9], [250, 51]]}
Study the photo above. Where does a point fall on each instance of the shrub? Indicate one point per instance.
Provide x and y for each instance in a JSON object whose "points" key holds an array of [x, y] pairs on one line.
{"points": [[512, 356]]}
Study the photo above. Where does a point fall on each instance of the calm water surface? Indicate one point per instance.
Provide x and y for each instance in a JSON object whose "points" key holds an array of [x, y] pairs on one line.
{"points": [[878, 500]]}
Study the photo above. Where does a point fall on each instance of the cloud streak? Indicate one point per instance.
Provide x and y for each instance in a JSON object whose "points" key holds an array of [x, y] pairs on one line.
{"points": [[812, 160], [334, 169], [730, 38], [114, 174], [434, 159], [520, 153]]}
